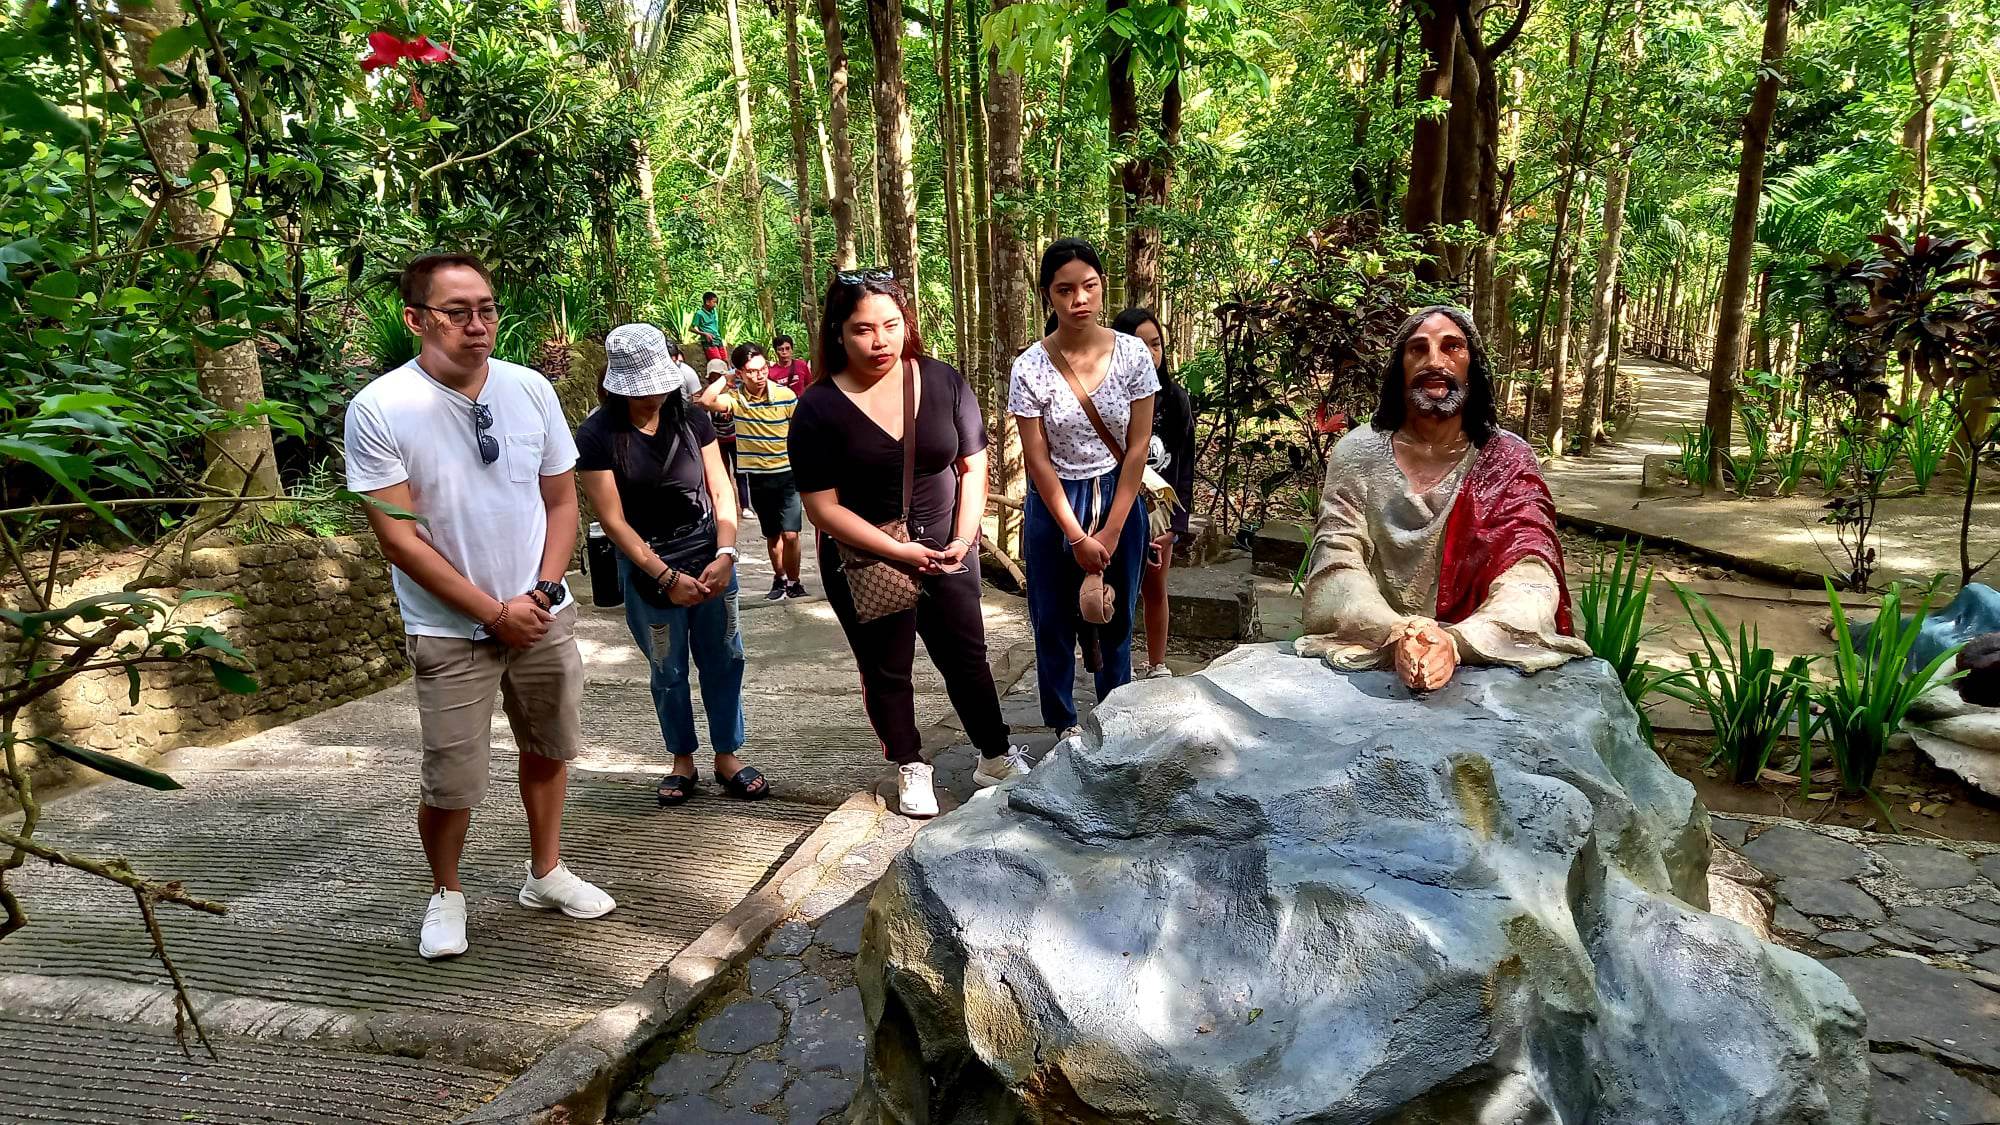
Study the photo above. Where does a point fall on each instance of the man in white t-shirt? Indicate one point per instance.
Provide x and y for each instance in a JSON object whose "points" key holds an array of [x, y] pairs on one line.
{"points": [[478, 449]]}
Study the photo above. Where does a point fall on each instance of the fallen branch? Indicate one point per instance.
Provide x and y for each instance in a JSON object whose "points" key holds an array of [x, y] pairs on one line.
{"points": [[184, 1013], [117, 871]]}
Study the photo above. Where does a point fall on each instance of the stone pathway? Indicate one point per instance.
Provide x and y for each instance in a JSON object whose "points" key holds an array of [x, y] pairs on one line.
{"points": [[784, 1043], [311, 987], [1913, 927], [1915, 536]]}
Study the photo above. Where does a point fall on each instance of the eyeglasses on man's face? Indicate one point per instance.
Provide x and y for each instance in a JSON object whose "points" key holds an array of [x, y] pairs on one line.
{"points": [[461, 316]]}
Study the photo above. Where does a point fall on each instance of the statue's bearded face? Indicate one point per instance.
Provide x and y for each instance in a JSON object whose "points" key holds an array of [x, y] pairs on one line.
{"points": [[1437, 363]]}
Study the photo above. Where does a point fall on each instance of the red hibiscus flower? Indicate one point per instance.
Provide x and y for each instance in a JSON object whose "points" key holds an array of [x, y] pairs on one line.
{"points": [[384, 49]]}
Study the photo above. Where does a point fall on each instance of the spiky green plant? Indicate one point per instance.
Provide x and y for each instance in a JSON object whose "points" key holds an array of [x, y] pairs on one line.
{"points": [[1611, 618], [1749, 699], [1873, 687]]}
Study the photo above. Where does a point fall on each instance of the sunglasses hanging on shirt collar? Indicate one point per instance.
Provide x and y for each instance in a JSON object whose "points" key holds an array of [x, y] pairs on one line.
{"points": [[482, 421]]}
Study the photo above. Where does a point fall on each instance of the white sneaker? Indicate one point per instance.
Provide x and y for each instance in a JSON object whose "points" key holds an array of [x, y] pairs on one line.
{"points": [[444, 926], [914, 795], [992, 771], [1157, 672], [561, 890]]}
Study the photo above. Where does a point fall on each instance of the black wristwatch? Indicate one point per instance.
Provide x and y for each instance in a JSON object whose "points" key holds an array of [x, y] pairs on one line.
{"points": [[555, 592]]}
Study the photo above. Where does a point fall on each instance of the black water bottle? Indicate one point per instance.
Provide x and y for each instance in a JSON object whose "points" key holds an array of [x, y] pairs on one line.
{"points": [[602, 558]]}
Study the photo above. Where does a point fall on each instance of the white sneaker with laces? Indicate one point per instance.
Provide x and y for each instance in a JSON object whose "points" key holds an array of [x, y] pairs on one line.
{"points": [[562, 890], [992, 771], [1157, 672], [915, 796], [444, 926]]}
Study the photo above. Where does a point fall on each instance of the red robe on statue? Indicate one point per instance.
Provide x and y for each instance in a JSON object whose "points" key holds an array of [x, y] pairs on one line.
{"points": [[1503, 514]]}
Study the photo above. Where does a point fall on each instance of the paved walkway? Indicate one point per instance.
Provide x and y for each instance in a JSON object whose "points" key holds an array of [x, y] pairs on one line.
{"points": [[311, 985], [1913, 927], [1915, 537]]}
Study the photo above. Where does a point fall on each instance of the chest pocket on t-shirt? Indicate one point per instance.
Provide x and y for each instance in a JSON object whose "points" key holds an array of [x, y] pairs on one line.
{"points": [[524, 457]]}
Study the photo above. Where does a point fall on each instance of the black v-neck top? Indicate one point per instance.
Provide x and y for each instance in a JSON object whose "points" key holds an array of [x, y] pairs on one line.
{"points": [[834, 445]]}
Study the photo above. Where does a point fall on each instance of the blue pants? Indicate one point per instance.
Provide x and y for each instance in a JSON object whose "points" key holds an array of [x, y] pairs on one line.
{"points": [[1053, 582], [669, 637]]}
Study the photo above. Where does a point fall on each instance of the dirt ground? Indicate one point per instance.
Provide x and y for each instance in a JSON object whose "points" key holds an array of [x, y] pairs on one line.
{"points": [[1923, 800]]}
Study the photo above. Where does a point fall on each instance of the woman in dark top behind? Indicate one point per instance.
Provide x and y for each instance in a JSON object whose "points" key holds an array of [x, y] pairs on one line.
{"points": [[847, 457], [1171, 456], [649, 463]]}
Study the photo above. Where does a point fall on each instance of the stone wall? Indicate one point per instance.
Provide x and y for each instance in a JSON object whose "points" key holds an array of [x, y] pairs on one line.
{"points": [[318, 620]]}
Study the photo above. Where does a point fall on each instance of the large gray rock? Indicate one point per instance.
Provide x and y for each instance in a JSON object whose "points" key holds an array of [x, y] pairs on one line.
{"points": [[1276, 893]]}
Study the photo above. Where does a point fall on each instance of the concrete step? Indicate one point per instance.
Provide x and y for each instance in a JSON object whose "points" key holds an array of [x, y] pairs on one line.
{"points": [[1209, 603], [1278, 548]]}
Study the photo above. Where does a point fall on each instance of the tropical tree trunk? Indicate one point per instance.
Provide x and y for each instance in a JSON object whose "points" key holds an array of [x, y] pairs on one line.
{"points": [[802, 170], [1423, 201], [1491, 198], [617, 31], [984, 376], [945, 48], [1010, 299], [1569, 181], [1564, 332], [894, 142], [241, 459], [1613, 348], [819, 122], [753, 178], [1731, 311], [1152, 176], [1460, 203], [1122, 96], [1597, 351], [1929, 48], [840, 192]]}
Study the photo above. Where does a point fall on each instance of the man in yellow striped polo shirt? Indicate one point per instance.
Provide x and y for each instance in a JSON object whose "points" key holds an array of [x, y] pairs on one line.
{"points": [[763, 432]]}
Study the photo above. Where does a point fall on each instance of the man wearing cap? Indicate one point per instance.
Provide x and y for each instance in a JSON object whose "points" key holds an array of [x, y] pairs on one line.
{"points": [[478, 448], [719, 399]]}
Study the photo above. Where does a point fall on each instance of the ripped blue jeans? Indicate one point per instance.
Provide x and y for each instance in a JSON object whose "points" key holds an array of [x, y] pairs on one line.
{"points": [[705, 635]]}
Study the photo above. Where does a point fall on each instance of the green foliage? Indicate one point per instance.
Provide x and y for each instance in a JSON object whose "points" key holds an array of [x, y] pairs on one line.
{"points": [[1930, 429], [1873, 685], [1611, 618], [1750, 701], [1694, 455]]}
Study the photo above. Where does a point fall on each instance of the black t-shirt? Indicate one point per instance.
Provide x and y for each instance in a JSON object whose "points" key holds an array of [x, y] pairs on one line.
{"points": [[660, 480], [834, 445], [1173, 424]]}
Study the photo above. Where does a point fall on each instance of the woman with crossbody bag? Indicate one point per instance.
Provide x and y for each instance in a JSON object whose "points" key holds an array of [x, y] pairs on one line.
{"points": [[889, 453], [649, 464], [1083, 399]]}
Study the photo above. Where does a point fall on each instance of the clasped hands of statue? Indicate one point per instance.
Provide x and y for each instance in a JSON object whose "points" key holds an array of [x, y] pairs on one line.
{"points": [[1424, 654]]}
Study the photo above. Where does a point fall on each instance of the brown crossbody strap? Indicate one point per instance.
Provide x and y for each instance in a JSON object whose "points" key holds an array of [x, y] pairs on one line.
{"points": [[909, 435], [1055, 355]]}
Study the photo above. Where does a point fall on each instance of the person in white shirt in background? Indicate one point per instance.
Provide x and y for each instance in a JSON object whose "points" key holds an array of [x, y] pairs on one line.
{"points": [[479, 450]]}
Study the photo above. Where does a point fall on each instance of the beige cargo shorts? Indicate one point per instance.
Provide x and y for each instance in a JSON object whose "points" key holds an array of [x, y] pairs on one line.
{"points": [[541, 688]]}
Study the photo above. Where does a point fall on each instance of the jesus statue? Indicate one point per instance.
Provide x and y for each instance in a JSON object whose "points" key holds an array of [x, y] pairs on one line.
{"points": [[1435, 543]]}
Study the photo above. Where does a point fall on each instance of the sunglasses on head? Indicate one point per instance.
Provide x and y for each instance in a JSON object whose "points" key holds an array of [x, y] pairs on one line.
{"points": [[862, 277]]}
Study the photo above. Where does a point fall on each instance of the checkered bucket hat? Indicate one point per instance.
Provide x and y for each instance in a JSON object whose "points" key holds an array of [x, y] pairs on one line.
{"points": [[636, 362]]}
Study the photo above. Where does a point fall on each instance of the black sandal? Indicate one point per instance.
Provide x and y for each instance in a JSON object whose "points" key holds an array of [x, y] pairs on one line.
{"points": [[675, 789], [739, 786]]}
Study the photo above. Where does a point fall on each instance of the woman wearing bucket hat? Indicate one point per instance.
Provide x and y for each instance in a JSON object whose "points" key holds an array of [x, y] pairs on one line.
{"points": [[657, 481]]}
